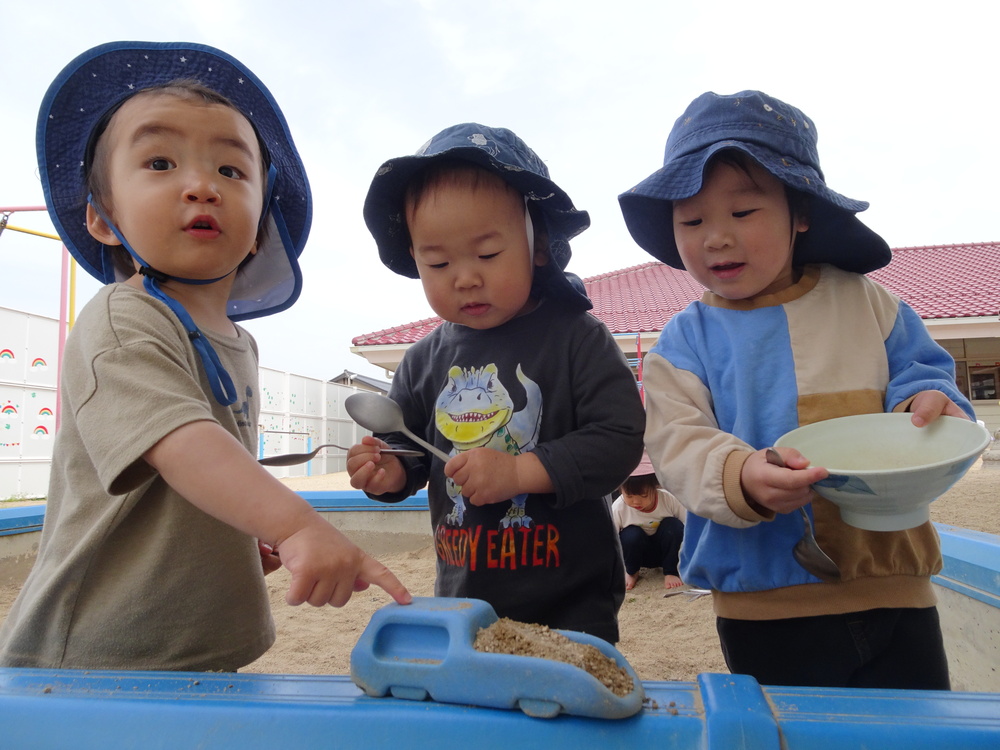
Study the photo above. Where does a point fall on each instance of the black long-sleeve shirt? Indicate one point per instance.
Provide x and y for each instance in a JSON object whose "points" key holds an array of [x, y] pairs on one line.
{"points": [[554, 382]]}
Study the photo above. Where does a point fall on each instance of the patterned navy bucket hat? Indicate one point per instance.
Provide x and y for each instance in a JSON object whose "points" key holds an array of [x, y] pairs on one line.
{"points": [[782, 140], [500, 152], [101, 79]]}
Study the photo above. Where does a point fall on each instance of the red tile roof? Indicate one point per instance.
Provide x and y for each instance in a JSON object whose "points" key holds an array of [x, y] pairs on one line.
{"points": [[940, 281], [407, 333], [641, 298], [946, 281]]}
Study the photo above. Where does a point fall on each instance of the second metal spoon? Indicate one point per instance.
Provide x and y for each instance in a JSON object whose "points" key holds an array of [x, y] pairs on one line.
{"points": [[290, 459], [807, 551]]}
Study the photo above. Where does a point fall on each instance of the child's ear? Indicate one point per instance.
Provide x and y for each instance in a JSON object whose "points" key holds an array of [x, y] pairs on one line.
{"points": [[801, 224], [541, 256], [99, 228]]}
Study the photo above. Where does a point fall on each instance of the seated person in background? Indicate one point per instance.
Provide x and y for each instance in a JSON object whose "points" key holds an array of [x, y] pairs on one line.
{"points": [[650, 524]]}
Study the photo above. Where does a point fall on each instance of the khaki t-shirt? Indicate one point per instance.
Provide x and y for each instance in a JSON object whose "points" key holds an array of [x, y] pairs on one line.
{"points": [[129, 575]]}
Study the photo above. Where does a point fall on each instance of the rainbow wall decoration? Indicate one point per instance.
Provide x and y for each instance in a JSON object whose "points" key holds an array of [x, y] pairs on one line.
{"points": [[8, 410], [6, 354], [41, 430], [39, 362], [45, 412]]}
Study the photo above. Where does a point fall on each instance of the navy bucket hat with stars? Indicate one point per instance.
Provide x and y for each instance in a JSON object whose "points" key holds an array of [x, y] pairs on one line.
{"points": [[99, 81], [782, 140], [500, 152], [81, 101]]}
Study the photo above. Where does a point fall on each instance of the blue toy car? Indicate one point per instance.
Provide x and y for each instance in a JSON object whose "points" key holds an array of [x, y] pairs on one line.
{"points": [[426, 650]]}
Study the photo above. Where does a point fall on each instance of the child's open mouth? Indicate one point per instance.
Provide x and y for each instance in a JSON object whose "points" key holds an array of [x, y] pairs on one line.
{"points": [[727, 270], [203, 226]]}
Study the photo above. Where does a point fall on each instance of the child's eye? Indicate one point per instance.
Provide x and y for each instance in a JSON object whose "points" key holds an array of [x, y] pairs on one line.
{"points": [[160, 165], [437, 265], [690, 223], [231, 172], [488, 256], [743, 214]]}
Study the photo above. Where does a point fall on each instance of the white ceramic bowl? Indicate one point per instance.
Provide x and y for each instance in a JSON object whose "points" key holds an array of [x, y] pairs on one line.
{"points": [[884, 472]]}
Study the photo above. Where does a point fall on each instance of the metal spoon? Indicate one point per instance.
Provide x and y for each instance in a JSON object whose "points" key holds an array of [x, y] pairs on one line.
{"points": [[807, 551], [290, 459], [381, 414]]}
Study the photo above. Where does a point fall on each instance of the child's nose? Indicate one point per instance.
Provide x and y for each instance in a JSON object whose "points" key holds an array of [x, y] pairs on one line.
{"points": [[468, 278], [202, 188], [718, 237]]}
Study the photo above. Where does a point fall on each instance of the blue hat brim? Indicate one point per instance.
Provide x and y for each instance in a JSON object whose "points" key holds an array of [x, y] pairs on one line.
{"points": [[102, 78], [835, 234]]}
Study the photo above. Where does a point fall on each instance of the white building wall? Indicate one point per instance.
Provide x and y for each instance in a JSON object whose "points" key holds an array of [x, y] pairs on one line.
{"points": [[29, 365]]}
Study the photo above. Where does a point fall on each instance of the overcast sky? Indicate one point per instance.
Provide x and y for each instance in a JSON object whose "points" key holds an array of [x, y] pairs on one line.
{"points": [[904, 97]]}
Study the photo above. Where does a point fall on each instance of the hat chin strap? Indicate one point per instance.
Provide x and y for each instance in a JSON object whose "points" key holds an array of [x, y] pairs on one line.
{"points": [[531, 231], [222, 384]]}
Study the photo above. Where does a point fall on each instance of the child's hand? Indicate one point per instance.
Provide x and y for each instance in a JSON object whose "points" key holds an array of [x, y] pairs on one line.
{"points": [[780, 488], [927, 406], [372, 472], [327, 568], [269, 559], [485, 475]]}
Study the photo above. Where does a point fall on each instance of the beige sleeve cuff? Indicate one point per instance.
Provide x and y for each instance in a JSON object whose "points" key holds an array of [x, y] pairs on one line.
{"points": [[904, 406], [733, 489]]}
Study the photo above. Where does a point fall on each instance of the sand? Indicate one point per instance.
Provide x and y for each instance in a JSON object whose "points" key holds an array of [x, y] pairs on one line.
{"points": [[506, 636], [669, 638]]}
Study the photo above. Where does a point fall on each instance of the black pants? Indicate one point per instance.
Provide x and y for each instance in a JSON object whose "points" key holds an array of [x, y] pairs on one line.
{"points": [[879, 648], [657, 550]]}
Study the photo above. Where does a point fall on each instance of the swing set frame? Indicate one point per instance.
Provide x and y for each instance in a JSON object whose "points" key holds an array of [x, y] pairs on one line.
{"points": [[67, 285]]}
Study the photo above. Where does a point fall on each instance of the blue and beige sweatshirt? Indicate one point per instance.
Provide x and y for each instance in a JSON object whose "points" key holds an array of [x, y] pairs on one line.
{"points": [[729, 377]]}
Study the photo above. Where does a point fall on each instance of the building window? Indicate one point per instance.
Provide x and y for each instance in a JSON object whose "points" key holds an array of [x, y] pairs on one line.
{"points": [[977, 367], [983, 382]]}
